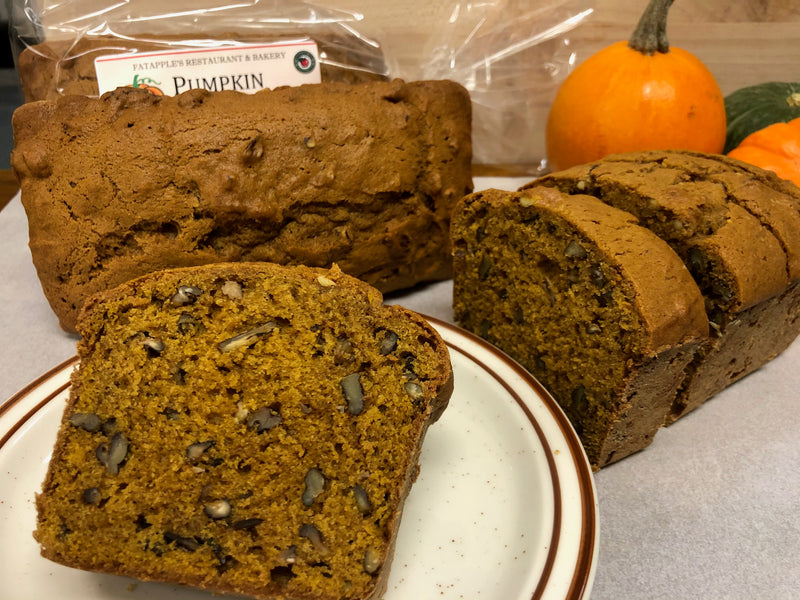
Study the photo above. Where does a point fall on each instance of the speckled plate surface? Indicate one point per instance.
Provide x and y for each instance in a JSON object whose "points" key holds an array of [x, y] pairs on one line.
{"points": [[504, 507]]}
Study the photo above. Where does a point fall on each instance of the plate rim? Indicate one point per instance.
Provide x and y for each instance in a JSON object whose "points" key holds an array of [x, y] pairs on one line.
{"points": [[26, 391], [585, 563], [583, 575]]}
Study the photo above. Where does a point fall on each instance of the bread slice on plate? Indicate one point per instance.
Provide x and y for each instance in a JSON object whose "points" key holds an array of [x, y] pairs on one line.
{"points": [[242, 428]]}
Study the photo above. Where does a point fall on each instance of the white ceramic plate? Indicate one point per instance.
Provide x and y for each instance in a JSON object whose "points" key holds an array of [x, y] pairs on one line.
{"points": [[504, 507]]}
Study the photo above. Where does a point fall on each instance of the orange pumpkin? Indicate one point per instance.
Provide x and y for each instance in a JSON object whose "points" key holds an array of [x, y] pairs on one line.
{"points": [[636, 95], [776, 148]]}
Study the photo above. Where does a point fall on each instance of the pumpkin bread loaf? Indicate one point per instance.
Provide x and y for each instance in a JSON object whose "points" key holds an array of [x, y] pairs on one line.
{"points": [[736, 227], [242, 428], [364, 176], [599, 309]]}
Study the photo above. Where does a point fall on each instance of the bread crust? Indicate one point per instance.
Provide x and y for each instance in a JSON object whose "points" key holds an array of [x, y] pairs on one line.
{"points": [[364, 176]]}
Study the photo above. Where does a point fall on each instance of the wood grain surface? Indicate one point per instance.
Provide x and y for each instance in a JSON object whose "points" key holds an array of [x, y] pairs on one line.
{"points": [[741, 42]]}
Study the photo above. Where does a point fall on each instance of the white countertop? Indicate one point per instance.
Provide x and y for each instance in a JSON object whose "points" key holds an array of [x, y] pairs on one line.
{"points": [[710, 510]]}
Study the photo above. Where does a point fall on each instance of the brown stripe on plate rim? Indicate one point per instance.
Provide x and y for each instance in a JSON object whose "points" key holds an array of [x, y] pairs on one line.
{"points": [[6, 406], [25, 392], [580, 579]]}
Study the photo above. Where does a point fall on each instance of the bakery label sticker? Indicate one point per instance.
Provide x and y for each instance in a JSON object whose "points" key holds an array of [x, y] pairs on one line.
{"points": [[246, 68]]}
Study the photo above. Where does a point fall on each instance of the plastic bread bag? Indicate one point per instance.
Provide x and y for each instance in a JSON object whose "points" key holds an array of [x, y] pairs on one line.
{"points": [[511, 55], [86, 47]]}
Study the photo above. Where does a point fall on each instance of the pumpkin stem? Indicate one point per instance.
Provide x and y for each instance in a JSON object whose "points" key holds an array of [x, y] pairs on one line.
{"points": [[650, 35], [793, 100]]}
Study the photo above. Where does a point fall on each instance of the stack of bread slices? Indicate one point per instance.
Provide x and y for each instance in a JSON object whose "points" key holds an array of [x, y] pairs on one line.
{"points": [[734, 228]]}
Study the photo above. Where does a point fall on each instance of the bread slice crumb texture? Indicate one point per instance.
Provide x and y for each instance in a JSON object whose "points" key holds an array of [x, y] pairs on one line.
{"points": [[582, 297], [246, 429]]}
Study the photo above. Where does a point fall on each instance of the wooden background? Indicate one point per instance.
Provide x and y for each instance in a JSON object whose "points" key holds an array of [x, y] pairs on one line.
{"points": [[742, 42]]}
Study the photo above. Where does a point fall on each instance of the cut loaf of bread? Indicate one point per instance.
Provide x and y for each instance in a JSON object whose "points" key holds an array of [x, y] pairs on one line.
{"points": [[736, 227], [243, 428], [364, 176], [599, 309]]}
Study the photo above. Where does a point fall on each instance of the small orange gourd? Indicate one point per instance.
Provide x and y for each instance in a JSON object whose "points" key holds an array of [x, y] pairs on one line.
{"points": [[775, 148], [636, 95]]}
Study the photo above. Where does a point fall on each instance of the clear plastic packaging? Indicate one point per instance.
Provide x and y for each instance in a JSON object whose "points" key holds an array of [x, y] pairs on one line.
{"points": [[55, 45], [511, 55]]}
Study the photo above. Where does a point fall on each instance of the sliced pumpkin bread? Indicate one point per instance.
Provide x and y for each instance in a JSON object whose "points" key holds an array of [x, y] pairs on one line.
{"points": [[242, 428], [600, 310], [736, 227]]}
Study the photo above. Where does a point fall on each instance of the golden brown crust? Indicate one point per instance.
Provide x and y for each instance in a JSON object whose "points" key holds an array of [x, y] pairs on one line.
{"points": [[672, 311], [773, 201], [361, 175], [696, 213]]}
